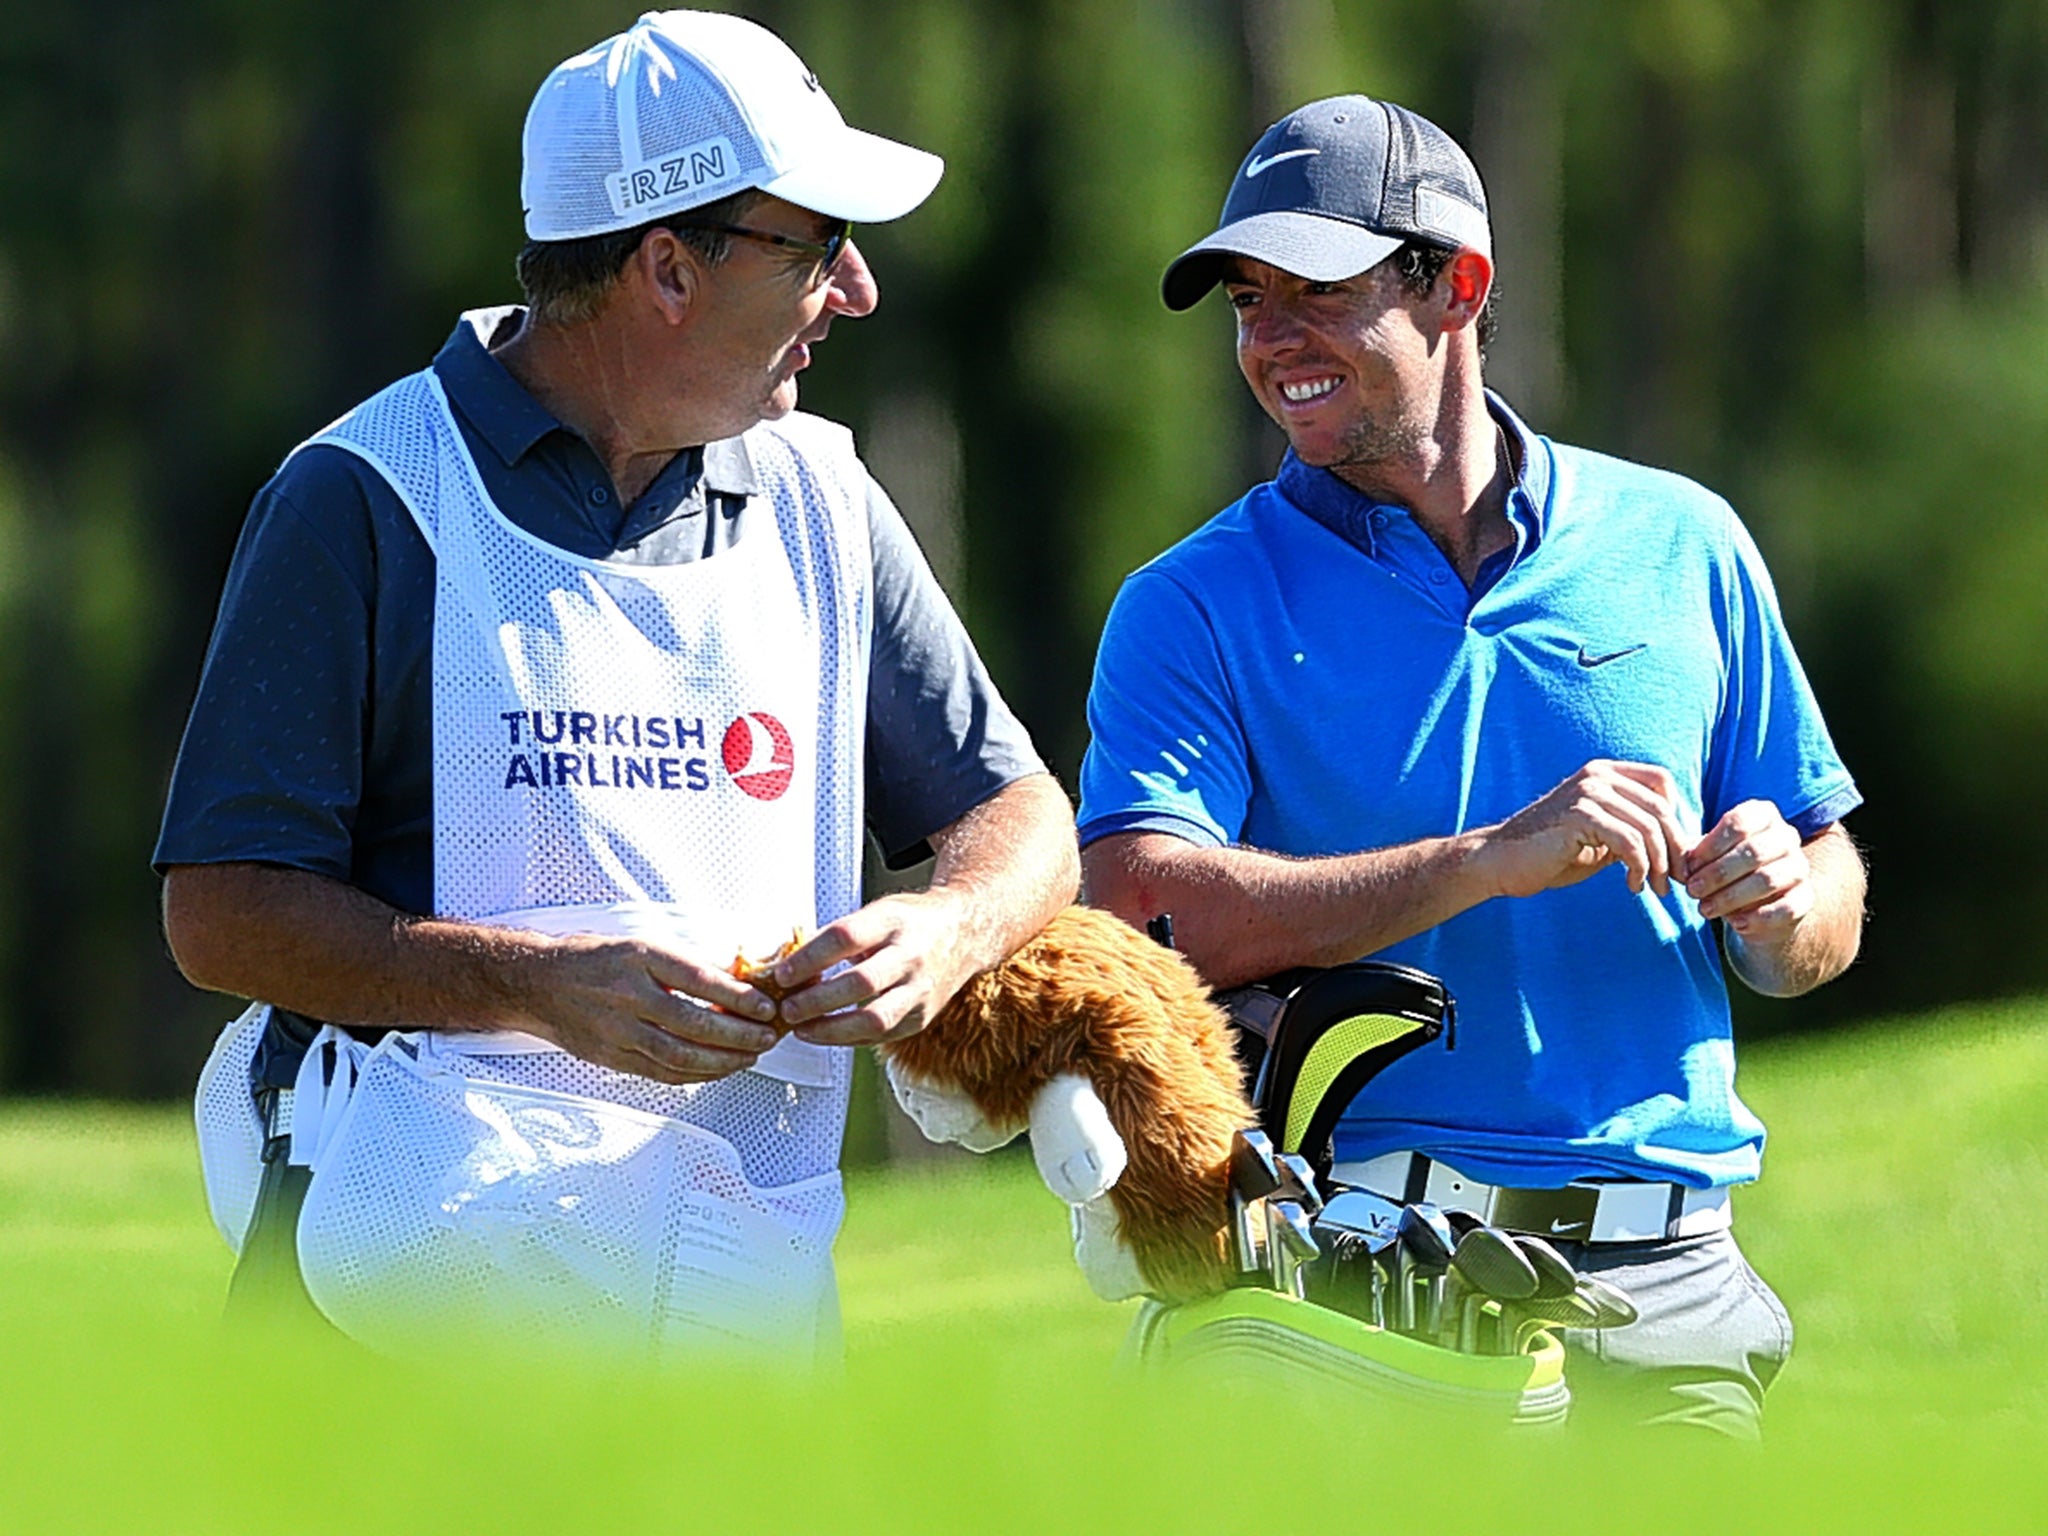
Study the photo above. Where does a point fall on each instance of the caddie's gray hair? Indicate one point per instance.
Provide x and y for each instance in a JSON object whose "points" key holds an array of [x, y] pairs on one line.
{"points": [[566, 281]]}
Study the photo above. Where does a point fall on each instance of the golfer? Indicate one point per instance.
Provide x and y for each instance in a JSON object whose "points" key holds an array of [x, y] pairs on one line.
{"points": [[546, 682], [1450, 693]]}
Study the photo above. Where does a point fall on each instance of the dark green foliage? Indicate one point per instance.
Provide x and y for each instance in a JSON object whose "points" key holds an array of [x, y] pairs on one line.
{"points": [[1792, 247]]}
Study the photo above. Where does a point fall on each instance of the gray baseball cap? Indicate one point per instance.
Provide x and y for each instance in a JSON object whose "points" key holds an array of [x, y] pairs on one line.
{"points": [[1335, 187]]}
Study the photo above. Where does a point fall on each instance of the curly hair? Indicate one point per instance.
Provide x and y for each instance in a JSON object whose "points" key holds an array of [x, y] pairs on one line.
{"points": [[1420, 263]]}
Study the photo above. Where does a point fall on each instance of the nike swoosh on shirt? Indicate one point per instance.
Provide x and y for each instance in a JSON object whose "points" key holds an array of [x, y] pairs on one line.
{"points": [[1257, 167], [1588, 659]]}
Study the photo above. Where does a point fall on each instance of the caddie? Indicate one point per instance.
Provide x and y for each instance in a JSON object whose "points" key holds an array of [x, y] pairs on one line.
{"points": [[547, 682], [1414, 696]]}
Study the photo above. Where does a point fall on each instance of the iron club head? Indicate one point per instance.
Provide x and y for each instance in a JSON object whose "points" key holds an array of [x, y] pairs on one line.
{"points": [[1254, 1166], [1424, 1229], [1489, 1261], [1610, 1302], [1554, 1277], [1298, 1182], [1356, 1210]]}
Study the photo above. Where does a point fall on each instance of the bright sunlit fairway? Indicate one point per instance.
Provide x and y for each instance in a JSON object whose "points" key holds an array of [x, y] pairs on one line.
{"points": [[1899, 1219]]}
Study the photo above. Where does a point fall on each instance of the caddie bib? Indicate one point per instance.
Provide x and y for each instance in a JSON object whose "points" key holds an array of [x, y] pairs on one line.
{"points": [[670, 751]]}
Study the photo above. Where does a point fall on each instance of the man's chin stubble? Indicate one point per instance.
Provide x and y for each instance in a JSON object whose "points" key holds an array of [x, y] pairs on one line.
{"points": [[1367, 448]]}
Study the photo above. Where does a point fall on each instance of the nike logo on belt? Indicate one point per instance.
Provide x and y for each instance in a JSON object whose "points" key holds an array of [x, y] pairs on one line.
{"points": [[1588, 659], [1257, 167], [1557, 1228]]}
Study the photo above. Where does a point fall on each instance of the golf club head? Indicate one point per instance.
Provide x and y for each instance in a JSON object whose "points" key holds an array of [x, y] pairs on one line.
{"points": [[1554, 1276], [1612, 1304], [1490, 1262], [1462, 1221], [1424, 1230], [1573, 1311], [1298, 1182], [1356, 1210], [1254, 1167]]}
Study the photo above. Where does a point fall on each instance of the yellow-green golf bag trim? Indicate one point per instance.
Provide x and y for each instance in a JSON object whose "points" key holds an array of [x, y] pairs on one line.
{"points": [[1260, 1332], [1343, 1043]]}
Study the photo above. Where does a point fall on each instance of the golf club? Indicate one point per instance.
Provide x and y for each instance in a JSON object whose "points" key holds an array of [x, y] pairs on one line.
{"points": [[1554, 1277], [1462, 1221], [1254, 1174], [1489, 1261], [1426, 1236], [1356, 1210], [1612, 1303], [1291, 1244], [1298, 1182], [1347, 1278]]}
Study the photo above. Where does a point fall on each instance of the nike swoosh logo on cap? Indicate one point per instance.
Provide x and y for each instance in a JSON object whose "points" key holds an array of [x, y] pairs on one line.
{"points": [[1257, 167]]}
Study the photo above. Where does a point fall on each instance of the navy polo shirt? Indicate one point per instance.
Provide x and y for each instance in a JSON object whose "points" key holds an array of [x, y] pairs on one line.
{"points": [[310, 741], [1307, 674]]}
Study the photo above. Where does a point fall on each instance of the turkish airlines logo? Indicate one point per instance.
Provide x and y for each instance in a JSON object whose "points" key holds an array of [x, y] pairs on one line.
{"points": [[759, 756]]}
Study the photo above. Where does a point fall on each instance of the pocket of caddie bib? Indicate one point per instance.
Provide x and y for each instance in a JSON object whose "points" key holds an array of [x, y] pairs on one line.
{"points": [[229, 1126], [447, 1209]]}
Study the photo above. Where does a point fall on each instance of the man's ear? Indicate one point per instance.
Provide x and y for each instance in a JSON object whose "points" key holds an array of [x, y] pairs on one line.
{"points": [[669, 273], [1466, 281]]}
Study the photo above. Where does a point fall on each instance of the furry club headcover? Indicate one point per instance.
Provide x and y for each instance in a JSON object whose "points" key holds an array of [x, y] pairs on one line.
{"points": [[1094, 997]]}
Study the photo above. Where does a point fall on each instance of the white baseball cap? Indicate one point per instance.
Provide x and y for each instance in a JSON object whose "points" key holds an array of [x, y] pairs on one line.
{"points": [[687, 107]]}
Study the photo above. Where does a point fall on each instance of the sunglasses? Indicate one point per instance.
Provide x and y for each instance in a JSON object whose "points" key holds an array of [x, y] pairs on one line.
{"points": [[826, 252]]}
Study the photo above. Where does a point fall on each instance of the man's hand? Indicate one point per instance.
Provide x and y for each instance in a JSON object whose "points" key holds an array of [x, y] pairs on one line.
{"points": [[1002, 870], [1752, 870], [1240, 914], [320, 947], [1606, 813], [637, 1007], [1793, 909], [904, 960]]}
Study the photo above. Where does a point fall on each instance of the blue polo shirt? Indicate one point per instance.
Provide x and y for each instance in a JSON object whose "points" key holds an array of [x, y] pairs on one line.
{"points": [[1307, 674], [310, 741]]}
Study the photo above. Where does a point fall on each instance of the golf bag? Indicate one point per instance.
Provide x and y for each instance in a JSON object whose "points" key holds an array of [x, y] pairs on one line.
{"points": [[1310, 1040]]}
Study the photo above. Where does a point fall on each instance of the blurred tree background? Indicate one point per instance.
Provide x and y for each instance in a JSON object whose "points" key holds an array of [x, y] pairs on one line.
{"points": [[1797, 249]]}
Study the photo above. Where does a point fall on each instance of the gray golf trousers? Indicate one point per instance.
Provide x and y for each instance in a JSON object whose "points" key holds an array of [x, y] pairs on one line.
{"points": [[1710, 1340]]}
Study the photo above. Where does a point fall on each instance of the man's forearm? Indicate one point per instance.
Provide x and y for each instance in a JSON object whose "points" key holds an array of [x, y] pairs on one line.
{"points": [[1824, 943], [323, 948], [1014, 860], [1240, 914]]}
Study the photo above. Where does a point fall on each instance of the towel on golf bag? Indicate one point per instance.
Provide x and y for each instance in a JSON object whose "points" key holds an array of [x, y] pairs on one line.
{"points": [[1092, 1004]]}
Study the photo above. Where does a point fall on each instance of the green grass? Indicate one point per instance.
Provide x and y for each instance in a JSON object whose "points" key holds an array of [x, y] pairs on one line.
{"points": [[1901, 1219]]}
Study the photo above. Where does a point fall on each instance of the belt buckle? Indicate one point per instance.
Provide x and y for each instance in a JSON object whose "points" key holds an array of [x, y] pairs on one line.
{"points": [[1563, 1214]]}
